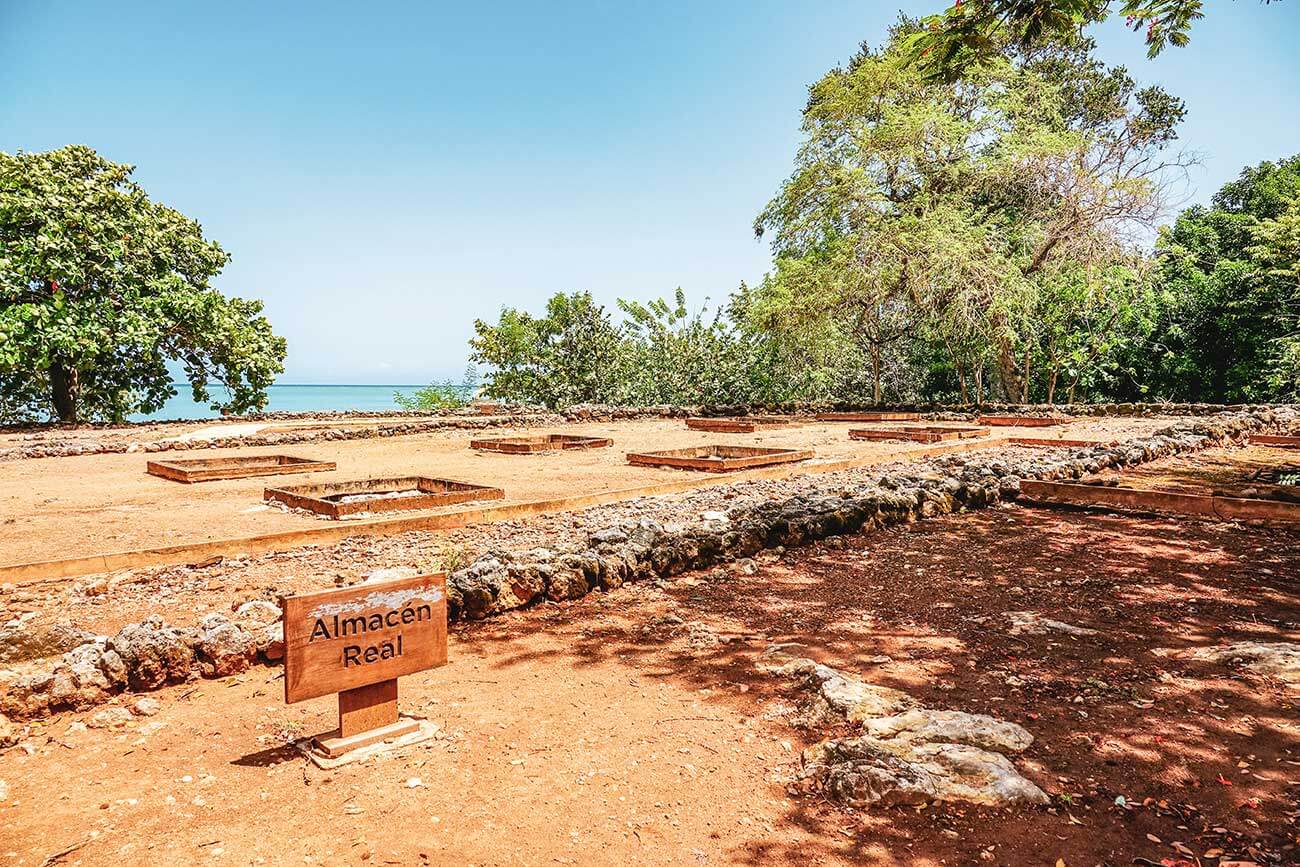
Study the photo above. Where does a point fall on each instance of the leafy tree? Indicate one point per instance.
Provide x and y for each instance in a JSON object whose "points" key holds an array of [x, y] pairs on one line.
{"points": [[573, 354], [676, 356], [1228, 293], [970, 33], [960, 206], [100, 288]]}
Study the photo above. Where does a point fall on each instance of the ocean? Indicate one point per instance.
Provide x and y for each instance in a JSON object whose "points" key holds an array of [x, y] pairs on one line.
{"points": [[290, 398]]}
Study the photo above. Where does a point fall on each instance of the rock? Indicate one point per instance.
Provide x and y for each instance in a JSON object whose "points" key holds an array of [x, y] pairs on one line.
{"points": [[270, 641], [833, 697], [145, 707], [10, 732], [858, 772], [952, 727], [906, 754], [391, 574], [567, 583], [24, 639], [746, 566], [154, 653], [258, 611], [110, 718], [223, 648], [1279, 659], [1033, 622]]}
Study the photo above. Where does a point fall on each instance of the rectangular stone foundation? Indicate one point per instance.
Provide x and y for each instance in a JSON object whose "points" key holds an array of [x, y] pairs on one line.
{"points": [[376, 495], [1023, 420], [740, 424], [213, 469], [868, 416], [918, 433], [529, 445], [719, 458]]}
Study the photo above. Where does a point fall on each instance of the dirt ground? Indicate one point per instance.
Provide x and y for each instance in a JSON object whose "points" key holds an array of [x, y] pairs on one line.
{"points": [[1230, 472], [604, 732], [56, 508]]}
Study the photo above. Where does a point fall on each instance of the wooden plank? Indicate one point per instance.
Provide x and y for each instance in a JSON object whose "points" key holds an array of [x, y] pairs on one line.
{"points": [[336, 640], [367, 707], [1196, 505], [868, 416], [1023, 421], [242, 467], [195, 552], [1278, 441]]}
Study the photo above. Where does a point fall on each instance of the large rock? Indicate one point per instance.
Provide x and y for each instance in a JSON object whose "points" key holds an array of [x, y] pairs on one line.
{"points": [[832, 697], [906, 754], [1279, 659], [924, 725], [223, 648], [859, 772], [154, 653], [26, 639]]}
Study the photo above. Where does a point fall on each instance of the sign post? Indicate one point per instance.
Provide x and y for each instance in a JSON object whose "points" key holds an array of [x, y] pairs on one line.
{"points": [[356, 642]]}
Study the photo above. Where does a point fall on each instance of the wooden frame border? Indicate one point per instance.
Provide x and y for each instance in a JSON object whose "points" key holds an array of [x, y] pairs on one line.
{"points": [[1161, 502]]}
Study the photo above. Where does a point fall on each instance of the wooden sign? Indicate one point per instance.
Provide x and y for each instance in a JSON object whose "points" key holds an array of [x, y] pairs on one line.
{"points": [[356, 642], [337, 640]]}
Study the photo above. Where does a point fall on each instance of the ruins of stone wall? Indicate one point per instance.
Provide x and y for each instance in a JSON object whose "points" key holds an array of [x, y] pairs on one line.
{"points": [[147, 655]]}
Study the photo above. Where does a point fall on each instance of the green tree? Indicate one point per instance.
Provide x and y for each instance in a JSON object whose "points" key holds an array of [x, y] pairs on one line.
{"points": [[1228, 290], [964, 203], [100, 288], [971, 33], [573, 354]]}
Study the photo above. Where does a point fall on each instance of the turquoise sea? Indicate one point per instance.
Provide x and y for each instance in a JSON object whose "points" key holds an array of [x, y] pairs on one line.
{"points": [[291, 398]]}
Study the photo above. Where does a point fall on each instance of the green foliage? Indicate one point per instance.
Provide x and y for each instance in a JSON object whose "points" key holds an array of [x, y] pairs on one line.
{"points": [[973, 33], [100, 288], [988, 218], [440, 395], [1229, 290], [572, 354]]}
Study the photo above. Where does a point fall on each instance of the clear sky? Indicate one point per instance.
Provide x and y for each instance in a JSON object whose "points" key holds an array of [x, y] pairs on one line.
{"points": [[384, 173]]}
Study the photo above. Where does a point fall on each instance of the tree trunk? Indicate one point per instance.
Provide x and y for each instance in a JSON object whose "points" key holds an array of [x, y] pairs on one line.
{"points": [[1051, 387], [875, 375], [1024, 384], [64, 388]]}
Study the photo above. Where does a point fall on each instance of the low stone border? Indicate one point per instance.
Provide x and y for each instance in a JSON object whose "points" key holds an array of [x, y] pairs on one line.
{"points": [[92, 447], [150, 654]]}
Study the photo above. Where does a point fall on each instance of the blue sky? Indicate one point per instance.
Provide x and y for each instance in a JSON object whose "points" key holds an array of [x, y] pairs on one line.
{"points": [[384, 173]]}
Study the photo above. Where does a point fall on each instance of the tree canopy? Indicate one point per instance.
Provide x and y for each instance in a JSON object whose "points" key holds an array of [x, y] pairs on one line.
{"points": [[996, 214], [1229, 279], [101, 287], [970, 33]]}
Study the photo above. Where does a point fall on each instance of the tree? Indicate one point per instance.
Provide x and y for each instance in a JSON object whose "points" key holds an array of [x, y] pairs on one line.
{"points": [[967, 201], [573, 354], [972, 32], [1227, 327], [100, 288]]}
